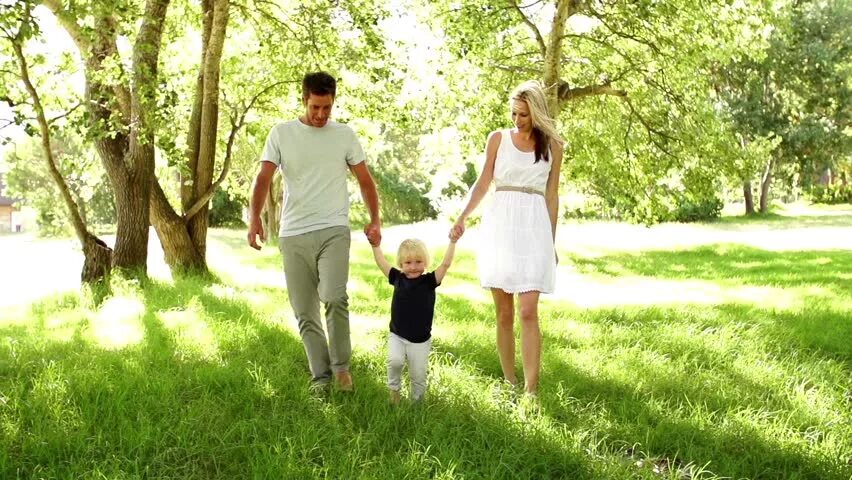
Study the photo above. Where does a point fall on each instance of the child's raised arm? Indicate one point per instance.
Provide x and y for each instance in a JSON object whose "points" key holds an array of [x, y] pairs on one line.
{"points": [[381, 261], [446, 262]]}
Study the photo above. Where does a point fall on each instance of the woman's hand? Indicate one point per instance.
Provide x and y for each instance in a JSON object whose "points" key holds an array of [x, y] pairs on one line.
{"points": [[457, 230]]}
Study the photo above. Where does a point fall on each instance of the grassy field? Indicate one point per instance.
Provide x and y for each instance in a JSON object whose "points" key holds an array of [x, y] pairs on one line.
{"points": [[678, 352]]}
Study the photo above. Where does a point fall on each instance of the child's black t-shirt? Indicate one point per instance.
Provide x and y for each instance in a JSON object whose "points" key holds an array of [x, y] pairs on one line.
{"points": [[413, 305]]}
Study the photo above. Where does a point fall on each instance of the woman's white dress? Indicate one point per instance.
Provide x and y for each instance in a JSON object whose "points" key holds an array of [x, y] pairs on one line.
{"points": [[516, 249]]}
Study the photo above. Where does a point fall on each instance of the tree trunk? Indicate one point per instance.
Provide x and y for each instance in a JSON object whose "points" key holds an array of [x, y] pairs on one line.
{"points": [[178, 248], [184, 237], [131, 214], [553, 52], [749, 198], [208, 121], [765, 182], [97, 260]]}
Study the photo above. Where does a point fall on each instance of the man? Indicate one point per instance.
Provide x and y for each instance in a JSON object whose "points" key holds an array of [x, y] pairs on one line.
{"points": [[313, 154]]}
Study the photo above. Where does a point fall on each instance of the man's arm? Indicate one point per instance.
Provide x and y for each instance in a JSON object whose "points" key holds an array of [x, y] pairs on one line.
{"points": [[371, 198], [381, 261], [259, 191], [446, 262]]}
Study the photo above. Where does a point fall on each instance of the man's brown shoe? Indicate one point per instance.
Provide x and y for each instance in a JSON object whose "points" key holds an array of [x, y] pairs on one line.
{"points": [[344, 381]]}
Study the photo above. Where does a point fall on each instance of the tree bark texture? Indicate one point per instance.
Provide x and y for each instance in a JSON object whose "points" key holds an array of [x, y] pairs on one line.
{"points": [[178, 249], [748, 197], [765, 183]]}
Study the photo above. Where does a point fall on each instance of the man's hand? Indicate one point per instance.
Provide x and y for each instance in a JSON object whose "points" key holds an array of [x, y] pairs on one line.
{"points": [[255, 230], [374, 233]]}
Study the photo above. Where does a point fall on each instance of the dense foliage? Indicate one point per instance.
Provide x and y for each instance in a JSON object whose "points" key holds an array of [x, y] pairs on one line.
{"points": [[668, 108]]}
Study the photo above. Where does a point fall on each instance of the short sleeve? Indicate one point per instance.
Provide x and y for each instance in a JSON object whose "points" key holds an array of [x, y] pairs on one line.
{"points": [[354, 153], [271, 153], [393, 274], [432, 280]]}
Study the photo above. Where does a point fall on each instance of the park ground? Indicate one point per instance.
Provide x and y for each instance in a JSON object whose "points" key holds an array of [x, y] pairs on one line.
{"points": [[718, 350]]}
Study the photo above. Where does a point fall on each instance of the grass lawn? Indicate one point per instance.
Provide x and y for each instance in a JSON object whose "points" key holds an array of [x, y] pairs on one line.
{"points": [[728, 355]]}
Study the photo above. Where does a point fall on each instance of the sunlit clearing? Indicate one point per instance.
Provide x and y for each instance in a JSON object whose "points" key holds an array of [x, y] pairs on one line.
{"points": [[118, 323], [599, 291], [467, 290], [366, 332], [222, 291], [192, 336], [248, 276], [568, 328], [355, 287], [242, 273], [61, 326]]}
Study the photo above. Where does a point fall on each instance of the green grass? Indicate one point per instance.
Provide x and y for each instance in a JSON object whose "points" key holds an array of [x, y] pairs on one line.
{"points": [[208, 379]]}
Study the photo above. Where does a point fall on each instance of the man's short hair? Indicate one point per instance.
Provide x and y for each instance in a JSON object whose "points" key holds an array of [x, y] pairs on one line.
{"points": [[318, 83]]}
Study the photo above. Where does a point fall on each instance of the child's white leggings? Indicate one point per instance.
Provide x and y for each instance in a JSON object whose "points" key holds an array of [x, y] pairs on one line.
{"points": [[400, 349]]}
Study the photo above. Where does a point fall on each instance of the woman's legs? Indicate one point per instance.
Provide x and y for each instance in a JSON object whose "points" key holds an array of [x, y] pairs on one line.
{"points": [[530, 340], [504, 305]]}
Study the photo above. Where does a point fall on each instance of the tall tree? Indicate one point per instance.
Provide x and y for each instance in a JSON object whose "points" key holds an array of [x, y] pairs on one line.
{"points": [[17, 26], [121, 108], [796, 90], [628, 80]]}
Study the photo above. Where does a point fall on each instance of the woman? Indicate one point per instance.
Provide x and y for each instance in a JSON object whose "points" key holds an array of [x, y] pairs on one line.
{"points": [[519, 258]]}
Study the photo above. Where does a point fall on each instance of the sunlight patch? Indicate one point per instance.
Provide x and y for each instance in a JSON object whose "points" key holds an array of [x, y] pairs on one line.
{"points": [[61, 326], [118, 323], [222, 291], [192, 335], [357, 286], [242, 271], [571, 329], [366, 332], [468, 290], [595, 291]]}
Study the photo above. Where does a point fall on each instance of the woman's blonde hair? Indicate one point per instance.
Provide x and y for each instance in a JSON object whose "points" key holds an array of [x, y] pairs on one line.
{"points": [[544, 126], [412, 247]]}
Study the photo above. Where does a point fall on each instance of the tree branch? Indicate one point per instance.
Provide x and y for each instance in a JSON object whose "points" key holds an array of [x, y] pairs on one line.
{"points": [[146, 53], [651, 131], [566, 93], [84, 45], [237, 123], [73, 208], [69, 112], [516, 69], [538, 38], [602, 18], [70, 26]]}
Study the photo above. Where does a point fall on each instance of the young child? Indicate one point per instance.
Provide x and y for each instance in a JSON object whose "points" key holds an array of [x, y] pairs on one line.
{"points": [[412, 311]]}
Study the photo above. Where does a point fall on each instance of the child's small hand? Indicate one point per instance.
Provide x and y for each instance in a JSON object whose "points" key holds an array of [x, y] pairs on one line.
{"points": [[373, 242], [456, 232]]}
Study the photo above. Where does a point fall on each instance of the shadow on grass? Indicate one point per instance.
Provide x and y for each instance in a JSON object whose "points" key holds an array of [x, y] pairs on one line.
{"points": [[161, 408], [674, 397]]}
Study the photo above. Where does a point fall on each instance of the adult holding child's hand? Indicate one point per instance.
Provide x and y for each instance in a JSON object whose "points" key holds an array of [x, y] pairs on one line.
{"points": [[516, 255], [457, 230], [373, 231], [315, 155]]}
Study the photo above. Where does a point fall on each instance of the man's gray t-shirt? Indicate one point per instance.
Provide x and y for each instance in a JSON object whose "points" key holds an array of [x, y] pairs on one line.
{"points": [[314, 162]]}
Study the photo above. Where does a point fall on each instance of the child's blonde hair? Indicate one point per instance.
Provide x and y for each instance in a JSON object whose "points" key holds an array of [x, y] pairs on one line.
{"points": [[412, 247]]}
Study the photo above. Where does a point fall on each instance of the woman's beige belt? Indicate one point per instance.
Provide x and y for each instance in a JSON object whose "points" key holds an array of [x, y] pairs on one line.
{"points": [[508, 188]]}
